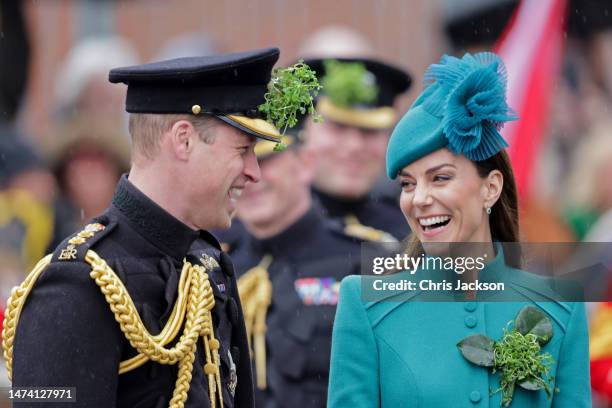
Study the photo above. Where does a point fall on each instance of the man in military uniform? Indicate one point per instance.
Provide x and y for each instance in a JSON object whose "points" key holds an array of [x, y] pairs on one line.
{"points": [[357, 107], [121, 311], [290, 264]]}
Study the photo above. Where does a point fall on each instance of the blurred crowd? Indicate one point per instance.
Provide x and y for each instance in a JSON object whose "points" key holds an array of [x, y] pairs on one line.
{"points": [[53, 183]]}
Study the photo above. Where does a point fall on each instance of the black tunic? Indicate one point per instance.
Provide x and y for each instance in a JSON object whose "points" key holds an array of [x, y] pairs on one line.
{"points": [[67, 335], [376, 212], [310, 258]]}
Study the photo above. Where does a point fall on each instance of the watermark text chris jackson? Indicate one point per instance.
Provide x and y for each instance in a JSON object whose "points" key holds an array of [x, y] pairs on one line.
{"points": [[441, 286]]}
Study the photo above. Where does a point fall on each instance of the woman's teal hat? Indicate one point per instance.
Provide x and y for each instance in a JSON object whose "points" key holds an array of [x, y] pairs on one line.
{"points": [[463, 107]]}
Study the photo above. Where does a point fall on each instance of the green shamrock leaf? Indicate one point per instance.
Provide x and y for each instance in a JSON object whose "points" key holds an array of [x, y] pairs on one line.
{"points": [[532, 385], [532, 320], [477, 349]]}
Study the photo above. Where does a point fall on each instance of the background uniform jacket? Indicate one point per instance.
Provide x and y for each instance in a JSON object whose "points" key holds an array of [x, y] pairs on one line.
{"points": [[381, 213], [309, 259]]}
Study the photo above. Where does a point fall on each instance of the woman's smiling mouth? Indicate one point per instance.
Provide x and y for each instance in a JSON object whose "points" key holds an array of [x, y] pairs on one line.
{"points": [[433, 225]]}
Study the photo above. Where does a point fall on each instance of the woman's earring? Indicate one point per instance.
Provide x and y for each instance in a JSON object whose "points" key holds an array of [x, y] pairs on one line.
{"points": [[488, 210]]}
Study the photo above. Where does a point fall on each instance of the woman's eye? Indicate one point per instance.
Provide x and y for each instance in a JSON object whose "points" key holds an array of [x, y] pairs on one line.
{"points": [[441, 177], [407, 185]]}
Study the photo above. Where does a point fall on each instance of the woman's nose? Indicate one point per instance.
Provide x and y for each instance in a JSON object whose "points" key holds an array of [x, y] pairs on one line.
{"points": [[422, 196]]}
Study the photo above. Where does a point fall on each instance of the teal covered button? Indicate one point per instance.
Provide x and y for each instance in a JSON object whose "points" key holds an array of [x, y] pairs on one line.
{"points": [[470, 321], [470, 306], [475, 396]]}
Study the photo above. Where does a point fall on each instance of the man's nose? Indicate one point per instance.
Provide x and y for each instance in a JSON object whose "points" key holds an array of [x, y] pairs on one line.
{"points": [[353, 139], [251, 168]]}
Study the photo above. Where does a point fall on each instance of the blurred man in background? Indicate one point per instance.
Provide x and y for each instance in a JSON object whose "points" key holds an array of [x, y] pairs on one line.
{"points": [[290, 263], [357, 105]]}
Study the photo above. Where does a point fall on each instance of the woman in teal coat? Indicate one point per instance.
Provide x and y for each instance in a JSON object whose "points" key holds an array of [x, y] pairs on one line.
{"points": [[457, 186]]}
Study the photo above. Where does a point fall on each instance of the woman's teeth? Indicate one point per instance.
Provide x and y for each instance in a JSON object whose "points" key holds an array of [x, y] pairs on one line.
{"points": [[434, 222]]}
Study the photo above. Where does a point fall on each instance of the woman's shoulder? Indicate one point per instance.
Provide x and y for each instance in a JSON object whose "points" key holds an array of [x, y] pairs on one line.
{"points": [[559, 298], [350, 283], [354, 290], [358, 291], [359, 294], [543, 288]]}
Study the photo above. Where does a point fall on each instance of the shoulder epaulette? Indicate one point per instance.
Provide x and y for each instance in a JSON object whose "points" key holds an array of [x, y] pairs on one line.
{"points": [[366, 233], [76, 247]]}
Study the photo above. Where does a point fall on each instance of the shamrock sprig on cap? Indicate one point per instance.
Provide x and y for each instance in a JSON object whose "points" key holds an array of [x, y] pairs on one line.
{"points": [[517, 355], [349, 83], [291, 93]]}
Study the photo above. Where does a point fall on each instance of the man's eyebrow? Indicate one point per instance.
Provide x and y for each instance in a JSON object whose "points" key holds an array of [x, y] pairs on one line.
{"points": [[247, 142]]}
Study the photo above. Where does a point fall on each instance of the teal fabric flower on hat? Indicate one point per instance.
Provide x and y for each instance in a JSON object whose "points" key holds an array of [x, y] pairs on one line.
{"points": [[476, 103], [463, 107]]}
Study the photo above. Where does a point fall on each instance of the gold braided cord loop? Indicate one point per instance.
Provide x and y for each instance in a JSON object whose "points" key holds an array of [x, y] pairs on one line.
{"points": [[170, 330], [193, 308], [14, 306], [198, 321], [181, 388], [199, 291], [130, 323], [255, 290]]}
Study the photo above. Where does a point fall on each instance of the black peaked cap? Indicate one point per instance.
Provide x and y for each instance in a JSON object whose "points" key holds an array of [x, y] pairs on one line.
{"points": [[221, 84]]}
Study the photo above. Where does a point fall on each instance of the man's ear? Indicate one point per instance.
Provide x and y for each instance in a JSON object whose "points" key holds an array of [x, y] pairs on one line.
{"points": [[182, 139], [493, 185]]}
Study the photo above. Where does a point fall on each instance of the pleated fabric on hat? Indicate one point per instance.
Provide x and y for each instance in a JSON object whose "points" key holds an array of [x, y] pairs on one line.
{"points": [[467, 96]]}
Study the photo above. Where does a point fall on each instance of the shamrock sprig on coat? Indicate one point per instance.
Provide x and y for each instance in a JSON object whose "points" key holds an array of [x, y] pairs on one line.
{"points": [[517, 356]]}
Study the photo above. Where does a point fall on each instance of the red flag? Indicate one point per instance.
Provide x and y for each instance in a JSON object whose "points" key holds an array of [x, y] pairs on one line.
{"points": [[601, 349], [531, 47]]}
